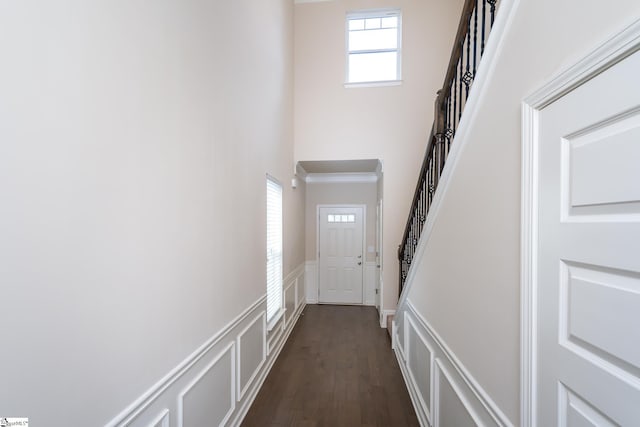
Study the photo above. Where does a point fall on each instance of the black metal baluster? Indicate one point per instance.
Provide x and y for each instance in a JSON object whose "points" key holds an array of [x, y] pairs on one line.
{"points": [[484, 7], [475, 38], [467, 73], [463, 68], [455, 102], [460, 91], [493, 10]]}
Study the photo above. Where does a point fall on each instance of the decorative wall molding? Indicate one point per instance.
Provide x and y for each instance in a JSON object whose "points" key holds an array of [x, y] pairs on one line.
{"points": [[301, 290], [279, 344], [162, 420], [239, 336], [194, 382], [425, 404], [290, 301], [471, 394], [274, 335], [610, 52], [293, 275], [262, 318], [311, 281], [442, 373]]}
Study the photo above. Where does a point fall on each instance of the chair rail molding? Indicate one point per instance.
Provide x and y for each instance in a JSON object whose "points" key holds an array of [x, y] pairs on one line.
{"points": [[472, 396], [247, 346]]}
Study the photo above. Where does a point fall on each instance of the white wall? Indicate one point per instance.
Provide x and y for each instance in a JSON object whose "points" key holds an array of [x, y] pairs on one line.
{"points": [[134, 142], [388, 123], [467, 282]]}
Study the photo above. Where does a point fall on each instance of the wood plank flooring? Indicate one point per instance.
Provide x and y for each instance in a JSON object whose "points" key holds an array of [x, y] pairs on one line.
{"points": [[337, 369]]}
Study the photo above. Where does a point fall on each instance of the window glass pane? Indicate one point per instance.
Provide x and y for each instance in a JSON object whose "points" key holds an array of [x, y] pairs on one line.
{"points": [[274, 248], [372, 67], [391, 22], [372, 23], [356, 24], [352, 218], [330, 218], [373, 39], [345, 218]]}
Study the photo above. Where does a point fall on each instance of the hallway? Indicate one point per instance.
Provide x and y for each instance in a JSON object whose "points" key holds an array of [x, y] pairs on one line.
{"points": [[337, 369]]}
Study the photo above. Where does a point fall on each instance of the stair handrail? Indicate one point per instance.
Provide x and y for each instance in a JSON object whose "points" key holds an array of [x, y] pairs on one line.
{"points": [[478, 15]]}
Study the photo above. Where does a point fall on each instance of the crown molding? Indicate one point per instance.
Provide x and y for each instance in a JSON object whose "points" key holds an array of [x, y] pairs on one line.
{"points": [[325, 178]]}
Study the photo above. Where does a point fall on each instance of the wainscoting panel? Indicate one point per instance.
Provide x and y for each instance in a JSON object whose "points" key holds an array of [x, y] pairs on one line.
{"points": [[442, 390], [419, 359], [451, 410], [275, 335], [301, 291], [311, 281], [162, 420], [252, 352], [290, 302], [209, 399], [217, 383]]}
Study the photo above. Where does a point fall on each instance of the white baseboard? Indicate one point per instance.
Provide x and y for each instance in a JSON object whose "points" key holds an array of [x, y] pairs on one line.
{"points": [[419, 348], [236, 360], [384, 315]]}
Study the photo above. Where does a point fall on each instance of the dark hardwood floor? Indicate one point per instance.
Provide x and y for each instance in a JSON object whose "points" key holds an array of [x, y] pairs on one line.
{"points": [[337, 369]]}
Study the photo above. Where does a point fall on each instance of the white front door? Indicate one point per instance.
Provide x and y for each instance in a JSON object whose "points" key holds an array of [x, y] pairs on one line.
{"points": [[588, 353], [340, 257]]}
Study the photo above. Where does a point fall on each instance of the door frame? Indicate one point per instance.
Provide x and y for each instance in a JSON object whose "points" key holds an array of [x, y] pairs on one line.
{"points": [[607, 54], [364, 241]]}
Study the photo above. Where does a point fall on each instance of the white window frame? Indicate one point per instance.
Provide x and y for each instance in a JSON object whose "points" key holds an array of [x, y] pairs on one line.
{"points": [[374, 13], [274, 252]]}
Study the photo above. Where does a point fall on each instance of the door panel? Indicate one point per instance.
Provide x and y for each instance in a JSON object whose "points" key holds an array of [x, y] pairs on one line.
{"points": [[341, 258], [589, 253]]}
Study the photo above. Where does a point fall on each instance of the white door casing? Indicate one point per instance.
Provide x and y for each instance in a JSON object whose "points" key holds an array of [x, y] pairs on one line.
{"points": [[581, 243], [340, 254], [379, 255]]}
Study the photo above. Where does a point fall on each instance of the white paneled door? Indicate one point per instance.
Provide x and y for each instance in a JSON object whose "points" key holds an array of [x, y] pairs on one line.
{"points": [[588, 350], [340, 234]]}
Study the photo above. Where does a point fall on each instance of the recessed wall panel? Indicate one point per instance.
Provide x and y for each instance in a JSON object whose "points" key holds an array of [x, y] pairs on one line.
{"points": [[251, 352], [290, 302], [419, 363], [209, 399], [451, 410]]}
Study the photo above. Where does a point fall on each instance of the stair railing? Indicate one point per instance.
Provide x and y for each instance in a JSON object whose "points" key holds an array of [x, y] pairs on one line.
{"points": [[475, 25]]}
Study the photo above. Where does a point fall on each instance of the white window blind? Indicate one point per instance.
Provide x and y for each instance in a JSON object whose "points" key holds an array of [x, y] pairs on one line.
{"points": [[274, 248]]}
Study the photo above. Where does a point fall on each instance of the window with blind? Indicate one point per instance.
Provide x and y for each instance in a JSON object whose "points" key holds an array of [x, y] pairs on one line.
{"points": [[373, 46], [274, 248]]}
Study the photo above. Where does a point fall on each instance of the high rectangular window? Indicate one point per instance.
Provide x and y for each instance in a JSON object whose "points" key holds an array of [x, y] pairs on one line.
{"points": [[274, 248], [373, 46]]}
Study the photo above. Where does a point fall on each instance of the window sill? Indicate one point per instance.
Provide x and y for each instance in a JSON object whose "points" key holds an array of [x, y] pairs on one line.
{"points": [[374, 84], [274, 321]]}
